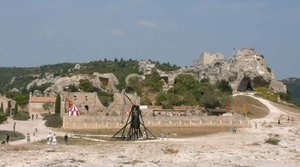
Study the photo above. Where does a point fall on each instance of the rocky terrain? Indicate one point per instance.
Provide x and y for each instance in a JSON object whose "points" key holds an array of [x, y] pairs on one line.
{"points": [[245, 148]]}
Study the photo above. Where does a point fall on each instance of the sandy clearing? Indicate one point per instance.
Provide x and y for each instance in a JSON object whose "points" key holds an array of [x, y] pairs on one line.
{"points": [[246, 148]]}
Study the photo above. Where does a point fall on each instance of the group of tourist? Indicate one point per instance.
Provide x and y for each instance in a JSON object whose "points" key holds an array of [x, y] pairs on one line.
{"points": [[51, 140], [32, 116]]}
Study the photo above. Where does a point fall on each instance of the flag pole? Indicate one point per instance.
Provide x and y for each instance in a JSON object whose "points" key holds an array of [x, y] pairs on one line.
{"points": [[233, 51]]}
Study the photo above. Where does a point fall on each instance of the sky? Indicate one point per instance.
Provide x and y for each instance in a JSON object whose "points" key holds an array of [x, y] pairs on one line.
{"points": [[40, 32]]}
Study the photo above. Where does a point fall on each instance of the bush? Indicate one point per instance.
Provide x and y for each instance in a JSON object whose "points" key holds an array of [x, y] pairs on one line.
{"points": [[273, 139], [266, 94], [53, 120], [3, 118], [269, 69], [22, 115]]}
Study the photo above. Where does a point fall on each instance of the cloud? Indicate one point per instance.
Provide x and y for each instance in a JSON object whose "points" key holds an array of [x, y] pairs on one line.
{"points": [[147, 24], [116, 32]]}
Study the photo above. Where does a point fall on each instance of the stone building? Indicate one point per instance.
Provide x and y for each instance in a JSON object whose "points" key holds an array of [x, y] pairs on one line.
{"points": [[35, 105], [7, 103], [207, 58]]}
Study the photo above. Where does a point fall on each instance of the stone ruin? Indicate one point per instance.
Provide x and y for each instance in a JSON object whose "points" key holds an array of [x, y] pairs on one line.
{"points": [[245, 71]]}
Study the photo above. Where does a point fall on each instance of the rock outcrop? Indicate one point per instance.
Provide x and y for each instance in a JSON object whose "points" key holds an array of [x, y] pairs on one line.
{"points": [[245, 71]]}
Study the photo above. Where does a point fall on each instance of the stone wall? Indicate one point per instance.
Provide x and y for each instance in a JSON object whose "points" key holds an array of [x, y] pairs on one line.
{"points": [[5, 102], [104, 122], [37, 108], [207, 58]]}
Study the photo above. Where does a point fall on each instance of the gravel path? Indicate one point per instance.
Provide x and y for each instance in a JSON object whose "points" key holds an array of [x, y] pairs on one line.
{"points": [[29, 127]]}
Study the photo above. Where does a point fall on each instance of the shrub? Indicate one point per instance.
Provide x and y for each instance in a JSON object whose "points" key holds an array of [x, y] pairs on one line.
{"points": [[22, 115], [269, 69], [3, 118], [53, 120], [266, 94], [146, 101], [273, 139]]}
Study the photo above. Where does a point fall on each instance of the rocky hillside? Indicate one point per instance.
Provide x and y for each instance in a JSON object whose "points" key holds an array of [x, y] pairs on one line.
{"points": [[245, 71]]}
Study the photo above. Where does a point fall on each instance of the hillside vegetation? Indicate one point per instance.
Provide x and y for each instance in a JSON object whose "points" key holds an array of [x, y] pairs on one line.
{"points": [[293, 85], [186, 91]]}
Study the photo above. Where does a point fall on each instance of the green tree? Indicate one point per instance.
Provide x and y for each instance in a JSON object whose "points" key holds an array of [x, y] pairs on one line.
{"points": [[213, 98], [85, 85], [154, 82], [16, 109], [47, 106], [189, 99], [57, 104], [134, 84], [72, 88], [1, 108], [105, 98], [224, 86], [22, 99]]}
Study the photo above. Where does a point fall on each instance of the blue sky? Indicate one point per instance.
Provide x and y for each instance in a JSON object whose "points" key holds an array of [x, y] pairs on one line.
{"points": [[39, 32]]}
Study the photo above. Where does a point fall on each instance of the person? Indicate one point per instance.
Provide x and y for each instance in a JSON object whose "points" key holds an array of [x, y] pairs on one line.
{"points": [[7, 139], [49, 138], [66, 139], [36, 116], [168, 135], [255, 125], [28, 138], [288, 118], [144, 135], [162, 136], [233, 129], [32, 117], [54, 141], [3, 141], [36, 132], [278, 121]]}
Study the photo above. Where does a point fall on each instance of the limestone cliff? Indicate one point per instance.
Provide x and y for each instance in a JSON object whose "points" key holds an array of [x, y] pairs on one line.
{"points": [[245, 71]]}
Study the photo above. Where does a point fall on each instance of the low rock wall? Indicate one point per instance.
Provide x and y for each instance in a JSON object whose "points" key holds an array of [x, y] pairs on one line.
{"points": [[105, 122]]}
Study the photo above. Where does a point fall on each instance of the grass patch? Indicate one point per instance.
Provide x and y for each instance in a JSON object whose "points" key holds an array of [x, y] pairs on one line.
{"points": [[12, 136], [72, 141], [3, 118], [254, 108]]}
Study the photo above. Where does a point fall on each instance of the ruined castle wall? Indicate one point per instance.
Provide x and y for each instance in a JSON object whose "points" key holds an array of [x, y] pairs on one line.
{"points": [[207, 58], [82, 99], [5, 101], [104, 122], [37, 108]]}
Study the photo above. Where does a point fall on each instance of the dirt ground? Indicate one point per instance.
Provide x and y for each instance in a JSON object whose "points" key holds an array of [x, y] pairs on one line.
{"points": [[248, 147]]}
